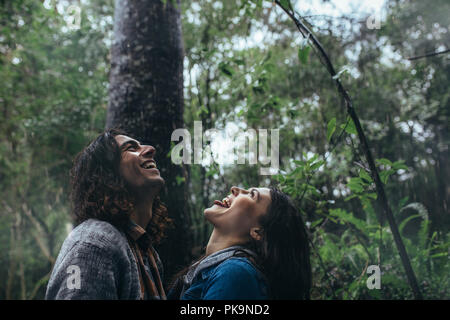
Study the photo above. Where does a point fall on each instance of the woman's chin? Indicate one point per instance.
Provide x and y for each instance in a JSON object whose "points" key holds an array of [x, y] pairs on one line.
{"points": [[209, 210], [214, 209]]}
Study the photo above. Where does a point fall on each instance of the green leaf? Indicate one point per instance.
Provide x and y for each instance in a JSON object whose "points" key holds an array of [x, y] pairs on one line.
{"points": [[317, 164], [384, 161], [350, 197], [331, 127], [372, 195], [399, 165], [313, 158], [355, 185], [384, 175], [438, 255], [211, 172], [364, 175], [226, 69], [348, 217], [276, 104], [258, 89], [350, 127], [316, 223], [270, 67], [303, 54], [180, 180], [259, 4], [202, 110], [293, 114], [285, 4], [239, 62]]}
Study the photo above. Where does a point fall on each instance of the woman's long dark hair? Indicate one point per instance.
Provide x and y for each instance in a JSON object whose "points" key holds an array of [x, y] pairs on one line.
{"points": [[98, 190], [283, 251]]}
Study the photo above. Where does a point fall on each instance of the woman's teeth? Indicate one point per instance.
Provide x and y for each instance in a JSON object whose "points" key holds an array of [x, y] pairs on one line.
{"points": [[224, 203], [219, 203]]}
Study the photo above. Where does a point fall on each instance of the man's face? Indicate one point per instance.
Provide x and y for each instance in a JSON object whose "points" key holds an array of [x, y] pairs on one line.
{"points": [[137, 165]]}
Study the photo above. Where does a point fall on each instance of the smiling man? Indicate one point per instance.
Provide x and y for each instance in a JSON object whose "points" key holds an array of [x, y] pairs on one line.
{"points": [[110, 255]]}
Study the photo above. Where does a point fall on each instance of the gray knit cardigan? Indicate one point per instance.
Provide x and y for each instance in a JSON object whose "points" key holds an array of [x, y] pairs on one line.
{"points": [[95, 262]]}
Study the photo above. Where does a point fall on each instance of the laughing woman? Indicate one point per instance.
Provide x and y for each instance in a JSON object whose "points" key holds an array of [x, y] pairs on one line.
{"points": [[258, 249]]}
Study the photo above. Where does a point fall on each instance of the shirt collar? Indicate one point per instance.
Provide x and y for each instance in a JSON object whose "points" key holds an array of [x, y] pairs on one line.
{"points": [[138, 234]]}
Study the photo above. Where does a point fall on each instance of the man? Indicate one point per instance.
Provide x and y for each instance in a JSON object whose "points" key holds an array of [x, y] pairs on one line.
{"points": [[110, 255]]}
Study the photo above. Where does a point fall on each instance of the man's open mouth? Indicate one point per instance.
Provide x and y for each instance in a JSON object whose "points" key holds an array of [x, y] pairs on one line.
{"points": [[150, 164], [226, 203]]}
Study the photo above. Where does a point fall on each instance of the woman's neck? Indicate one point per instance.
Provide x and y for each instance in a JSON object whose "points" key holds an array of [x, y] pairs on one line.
{"points": [[218, 241]]}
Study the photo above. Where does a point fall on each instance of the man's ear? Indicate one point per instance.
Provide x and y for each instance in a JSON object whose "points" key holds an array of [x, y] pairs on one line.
{"points": [[255, 233]]}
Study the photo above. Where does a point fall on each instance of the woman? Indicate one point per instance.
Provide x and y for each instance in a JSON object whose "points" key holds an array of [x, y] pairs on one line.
{"points": [[258, 249]]}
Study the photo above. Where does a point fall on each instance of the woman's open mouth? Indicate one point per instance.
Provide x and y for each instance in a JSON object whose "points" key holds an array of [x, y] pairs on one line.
{"points": [[226, 203]]}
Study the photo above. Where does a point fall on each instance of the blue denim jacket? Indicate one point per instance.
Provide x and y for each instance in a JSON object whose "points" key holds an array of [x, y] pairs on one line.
{"points": [[233, 279]]}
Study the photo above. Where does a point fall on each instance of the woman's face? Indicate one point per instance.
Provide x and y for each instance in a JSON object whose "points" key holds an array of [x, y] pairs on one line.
{"points": [[237, 215]]}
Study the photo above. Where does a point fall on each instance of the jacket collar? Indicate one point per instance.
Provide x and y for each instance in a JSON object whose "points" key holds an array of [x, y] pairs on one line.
{"points": [[211, 260]]}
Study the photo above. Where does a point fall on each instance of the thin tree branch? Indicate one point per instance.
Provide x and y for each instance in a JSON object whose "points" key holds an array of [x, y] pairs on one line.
{"points": [[12, 255], [39, 284], [431, 54], [374, 171], [39, 235]]}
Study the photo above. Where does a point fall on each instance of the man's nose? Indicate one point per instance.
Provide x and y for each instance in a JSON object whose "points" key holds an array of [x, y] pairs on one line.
{"points": [[149, 151]]}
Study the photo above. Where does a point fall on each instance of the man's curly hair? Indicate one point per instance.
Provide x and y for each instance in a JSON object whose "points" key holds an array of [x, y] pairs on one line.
{"points": [[98, 191]]}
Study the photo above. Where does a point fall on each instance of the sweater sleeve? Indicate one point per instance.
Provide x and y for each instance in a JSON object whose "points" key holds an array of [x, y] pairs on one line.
{"points": [[86, 272], [235, 279]]}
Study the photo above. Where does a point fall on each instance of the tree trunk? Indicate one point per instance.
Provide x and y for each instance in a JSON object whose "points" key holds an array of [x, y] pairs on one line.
{"points": [[146, 100]]}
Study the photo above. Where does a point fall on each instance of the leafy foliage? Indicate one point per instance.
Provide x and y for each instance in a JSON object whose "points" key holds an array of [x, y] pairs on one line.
{"points": [[245, 66]]}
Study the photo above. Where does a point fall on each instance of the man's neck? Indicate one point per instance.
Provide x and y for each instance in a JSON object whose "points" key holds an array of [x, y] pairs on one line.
{"points": [[142, 213]]}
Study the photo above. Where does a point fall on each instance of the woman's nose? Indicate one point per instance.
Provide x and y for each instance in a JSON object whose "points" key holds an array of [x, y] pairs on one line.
{"points": [[235, 191]]}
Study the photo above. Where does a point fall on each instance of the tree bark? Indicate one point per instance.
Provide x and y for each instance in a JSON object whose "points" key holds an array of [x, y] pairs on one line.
{"points": [[146, 100]]}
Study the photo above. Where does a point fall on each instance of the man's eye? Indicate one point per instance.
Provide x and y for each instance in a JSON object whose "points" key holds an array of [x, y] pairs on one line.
{"points": [[131, 148]]}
